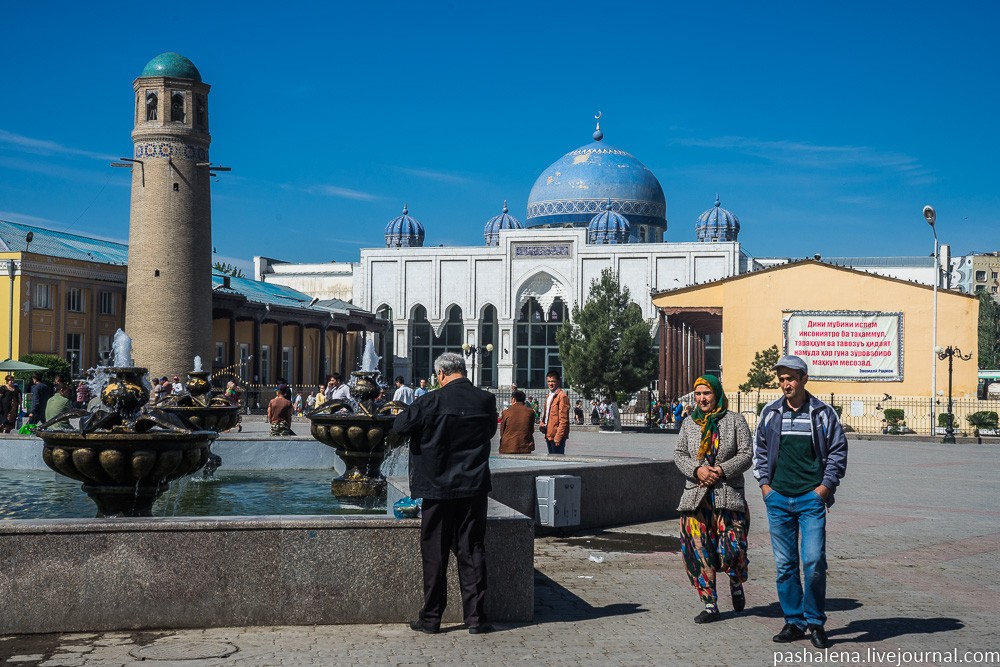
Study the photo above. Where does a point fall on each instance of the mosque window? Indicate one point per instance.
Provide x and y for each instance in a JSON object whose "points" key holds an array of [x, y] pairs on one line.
{"points": [[151, 101], [201, 111], [536, 350], [177, 106], [384, 342], [487, 336], [427, 347], [265, 364], [74, 300]]}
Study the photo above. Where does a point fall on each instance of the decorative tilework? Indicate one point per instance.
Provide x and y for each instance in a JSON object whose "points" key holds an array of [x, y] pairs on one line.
{"points": [[544, 250], [171, 149], [594, 206]]}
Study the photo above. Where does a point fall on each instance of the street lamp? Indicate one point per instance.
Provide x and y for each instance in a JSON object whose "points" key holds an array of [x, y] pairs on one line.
{"points": [[473, 351], [950, 353], [11, 271], [930, 215]]}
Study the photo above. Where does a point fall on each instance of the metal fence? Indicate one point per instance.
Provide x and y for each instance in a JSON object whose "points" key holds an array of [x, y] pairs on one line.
{"points": [[866, 414]]}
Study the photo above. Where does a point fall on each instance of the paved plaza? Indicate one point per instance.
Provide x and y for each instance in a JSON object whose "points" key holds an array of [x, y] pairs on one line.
{"points": [[913, 549]]}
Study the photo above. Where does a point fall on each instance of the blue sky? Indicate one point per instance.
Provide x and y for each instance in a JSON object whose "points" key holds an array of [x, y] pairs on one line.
{"points": [[824, 126]]}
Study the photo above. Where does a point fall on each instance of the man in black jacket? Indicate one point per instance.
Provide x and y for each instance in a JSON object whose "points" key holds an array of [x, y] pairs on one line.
{"points": [[450, 431], [40, 395]]}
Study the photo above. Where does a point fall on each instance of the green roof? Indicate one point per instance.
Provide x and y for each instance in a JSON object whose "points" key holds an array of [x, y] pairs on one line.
{"points": [[173, 65]]}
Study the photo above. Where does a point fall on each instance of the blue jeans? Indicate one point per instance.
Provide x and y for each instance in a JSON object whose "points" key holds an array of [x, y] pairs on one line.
{"points": [[555, 448], [789, 518]]}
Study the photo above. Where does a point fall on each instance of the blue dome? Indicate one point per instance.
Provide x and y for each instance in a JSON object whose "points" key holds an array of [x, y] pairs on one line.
{"points": [[608, 227], [718, 224], [173, 65], [404, 231], [577, 186], [498, 222]]}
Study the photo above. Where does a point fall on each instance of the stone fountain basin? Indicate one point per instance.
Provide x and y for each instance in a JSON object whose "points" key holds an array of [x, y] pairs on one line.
{"points": [[216, 418], [134, 459]]}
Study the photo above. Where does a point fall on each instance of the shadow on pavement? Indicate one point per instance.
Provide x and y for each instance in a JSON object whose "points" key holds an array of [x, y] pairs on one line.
{"points": [[555, 604], [773, 610], [880, 629]]}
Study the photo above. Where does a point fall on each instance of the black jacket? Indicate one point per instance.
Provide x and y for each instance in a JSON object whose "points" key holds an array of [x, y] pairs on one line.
{"points": [[450, 431]]}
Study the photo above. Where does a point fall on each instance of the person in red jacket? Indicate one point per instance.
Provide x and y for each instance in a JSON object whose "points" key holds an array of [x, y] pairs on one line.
{"points": [[554, 422]]}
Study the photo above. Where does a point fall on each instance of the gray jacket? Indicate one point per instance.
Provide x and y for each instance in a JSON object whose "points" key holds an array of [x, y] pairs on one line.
{"points": [[735, 457]]}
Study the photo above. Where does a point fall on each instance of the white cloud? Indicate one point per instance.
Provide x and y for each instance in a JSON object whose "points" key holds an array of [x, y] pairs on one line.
{"points": [[433, 175], [337, 191], [46, 147]]}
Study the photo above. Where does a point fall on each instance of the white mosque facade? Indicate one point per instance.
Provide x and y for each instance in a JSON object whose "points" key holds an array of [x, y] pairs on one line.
{"points": [[594, 208]]}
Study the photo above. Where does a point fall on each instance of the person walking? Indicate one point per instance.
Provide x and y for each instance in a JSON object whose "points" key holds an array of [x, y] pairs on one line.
{"points": [[800, 456], [422, 389], [10, 404], [555, 418], [41, 392], [403, 393], [517, 427], [713, 451], [450, 432]]}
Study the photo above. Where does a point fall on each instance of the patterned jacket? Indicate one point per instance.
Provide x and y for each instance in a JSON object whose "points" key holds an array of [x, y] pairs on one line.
{"points": [[735, 457]]}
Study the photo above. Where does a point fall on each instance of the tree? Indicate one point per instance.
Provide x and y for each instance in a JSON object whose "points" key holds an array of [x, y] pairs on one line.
{"points": [[989, 332], [606, 347], [228, 269], [56, 366], [761, 375]]}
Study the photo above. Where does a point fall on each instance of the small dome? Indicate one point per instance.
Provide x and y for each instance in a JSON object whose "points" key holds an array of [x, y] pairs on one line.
{"points": [[498, 222], [608, 227], [717, 224], [173, 65], [404, 232]]}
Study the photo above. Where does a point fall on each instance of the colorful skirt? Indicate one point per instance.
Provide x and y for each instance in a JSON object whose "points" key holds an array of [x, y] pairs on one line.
{"points": [[714, 540]]}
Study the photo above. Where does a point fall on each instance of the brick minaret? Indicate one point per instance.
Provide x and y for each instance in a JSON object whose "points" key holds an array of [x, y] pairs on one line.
{"points": [[169, 307]]}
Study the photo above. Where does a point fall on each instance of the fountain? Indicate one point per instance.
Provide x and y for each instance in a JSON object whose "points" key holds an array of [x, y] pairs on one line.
{"points": [[199, 406], [124, 455], [361, 432]]}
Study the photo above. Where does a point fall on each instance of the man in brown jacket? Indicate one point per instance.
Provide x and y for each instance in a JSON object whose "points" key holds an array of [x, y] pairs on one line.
{"points": [[555, 415], [517, 427]]}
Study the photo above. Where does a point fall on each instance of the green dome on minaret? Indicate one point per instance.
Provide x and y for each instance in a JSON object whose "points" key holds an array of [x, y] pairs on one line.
{"points": [[173, 65]]}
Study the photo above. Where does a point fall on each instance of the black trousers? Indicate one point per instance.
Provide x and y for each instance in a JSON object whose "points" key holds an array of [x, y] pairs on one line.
{"points": [[457, 525]]}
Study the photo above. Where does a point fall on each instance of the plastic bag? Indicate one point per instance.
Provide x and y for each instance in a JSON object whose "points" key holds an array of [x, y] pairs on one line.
{"points": [[27, 429], [406, 508]]}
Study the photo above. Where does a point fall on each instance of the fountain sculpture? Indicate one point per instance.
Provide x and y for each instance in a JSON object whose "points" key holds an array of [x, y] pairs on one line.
{"points": [[124, 455], [361, 432], [199, 406]]}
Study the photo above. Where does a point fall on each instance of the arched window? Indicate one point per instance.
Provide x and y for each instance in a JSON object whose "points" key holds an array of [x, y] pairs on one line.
{"points": [[488, 335], [536, 350], [427, 347], [177, 107], [384, 342]]}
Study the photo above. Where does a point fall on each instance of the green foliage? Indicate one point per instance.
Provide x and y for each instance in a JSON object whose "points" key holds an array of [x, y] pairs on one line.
{"points": [[605, 347], [984, 419], [761, 374], [894, 419], [989, 332], [55, 365], [228, 269], [942, 419], [839, 409]]}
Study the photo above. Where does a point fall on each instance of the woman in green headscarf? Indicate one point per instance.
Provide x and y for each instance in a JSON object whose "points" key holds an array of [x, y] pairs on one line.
{"points": [[715, 448]]}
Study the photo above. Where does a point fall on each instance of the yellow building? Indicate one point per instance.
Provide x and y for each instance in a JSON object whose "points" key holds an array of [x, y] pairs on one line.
{"points": [[66, 294], [862, 334]]}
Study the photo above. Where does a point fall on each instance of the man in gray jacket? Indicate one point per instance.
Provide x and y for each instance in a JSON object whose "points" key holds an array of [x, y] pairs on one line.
{"points": [[800, 455]]}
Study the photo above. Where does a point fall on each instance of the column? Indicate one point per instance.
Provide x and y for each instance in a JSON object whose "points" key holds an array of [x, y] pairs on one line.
{"points": [[662, 370], [231, 346], [301, 356], [279, 353]]}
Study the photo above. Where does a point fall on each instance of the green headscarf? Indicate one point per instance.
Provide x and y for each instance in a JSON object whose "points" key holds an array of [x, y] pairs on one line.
{"points": [[710, 422]]}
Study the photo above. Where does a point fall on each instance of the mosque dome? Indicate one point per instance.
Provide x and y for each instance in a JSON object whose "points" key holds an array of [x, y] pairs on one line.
{"points": [[577, 186], [499, 222], [404, 232], [717, 224], [608, 227], [173, 65]]}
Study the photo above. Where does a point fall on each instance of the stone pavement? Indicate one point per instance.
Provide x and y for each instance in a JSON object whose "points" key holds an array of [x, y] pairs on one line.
{"points": [[913, 539]]}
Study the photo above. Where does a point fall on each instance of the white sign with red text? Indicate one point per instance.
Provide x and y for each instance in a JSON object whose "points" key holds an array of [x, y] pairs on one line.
{"points": [[847, 345]]}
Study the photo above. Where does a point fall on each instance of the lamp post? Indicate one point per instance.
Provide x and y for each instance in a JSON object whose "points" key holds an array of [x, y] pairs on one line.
{"points": [[950, 353], [11, 271], [930, 215], [473, 351]]}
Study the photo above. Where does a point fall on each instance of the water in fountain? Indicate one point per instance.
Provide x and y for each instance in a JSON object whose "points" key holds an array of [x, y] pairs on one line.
{"points": [[369, 359], [197, 363], [122, 350]]}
